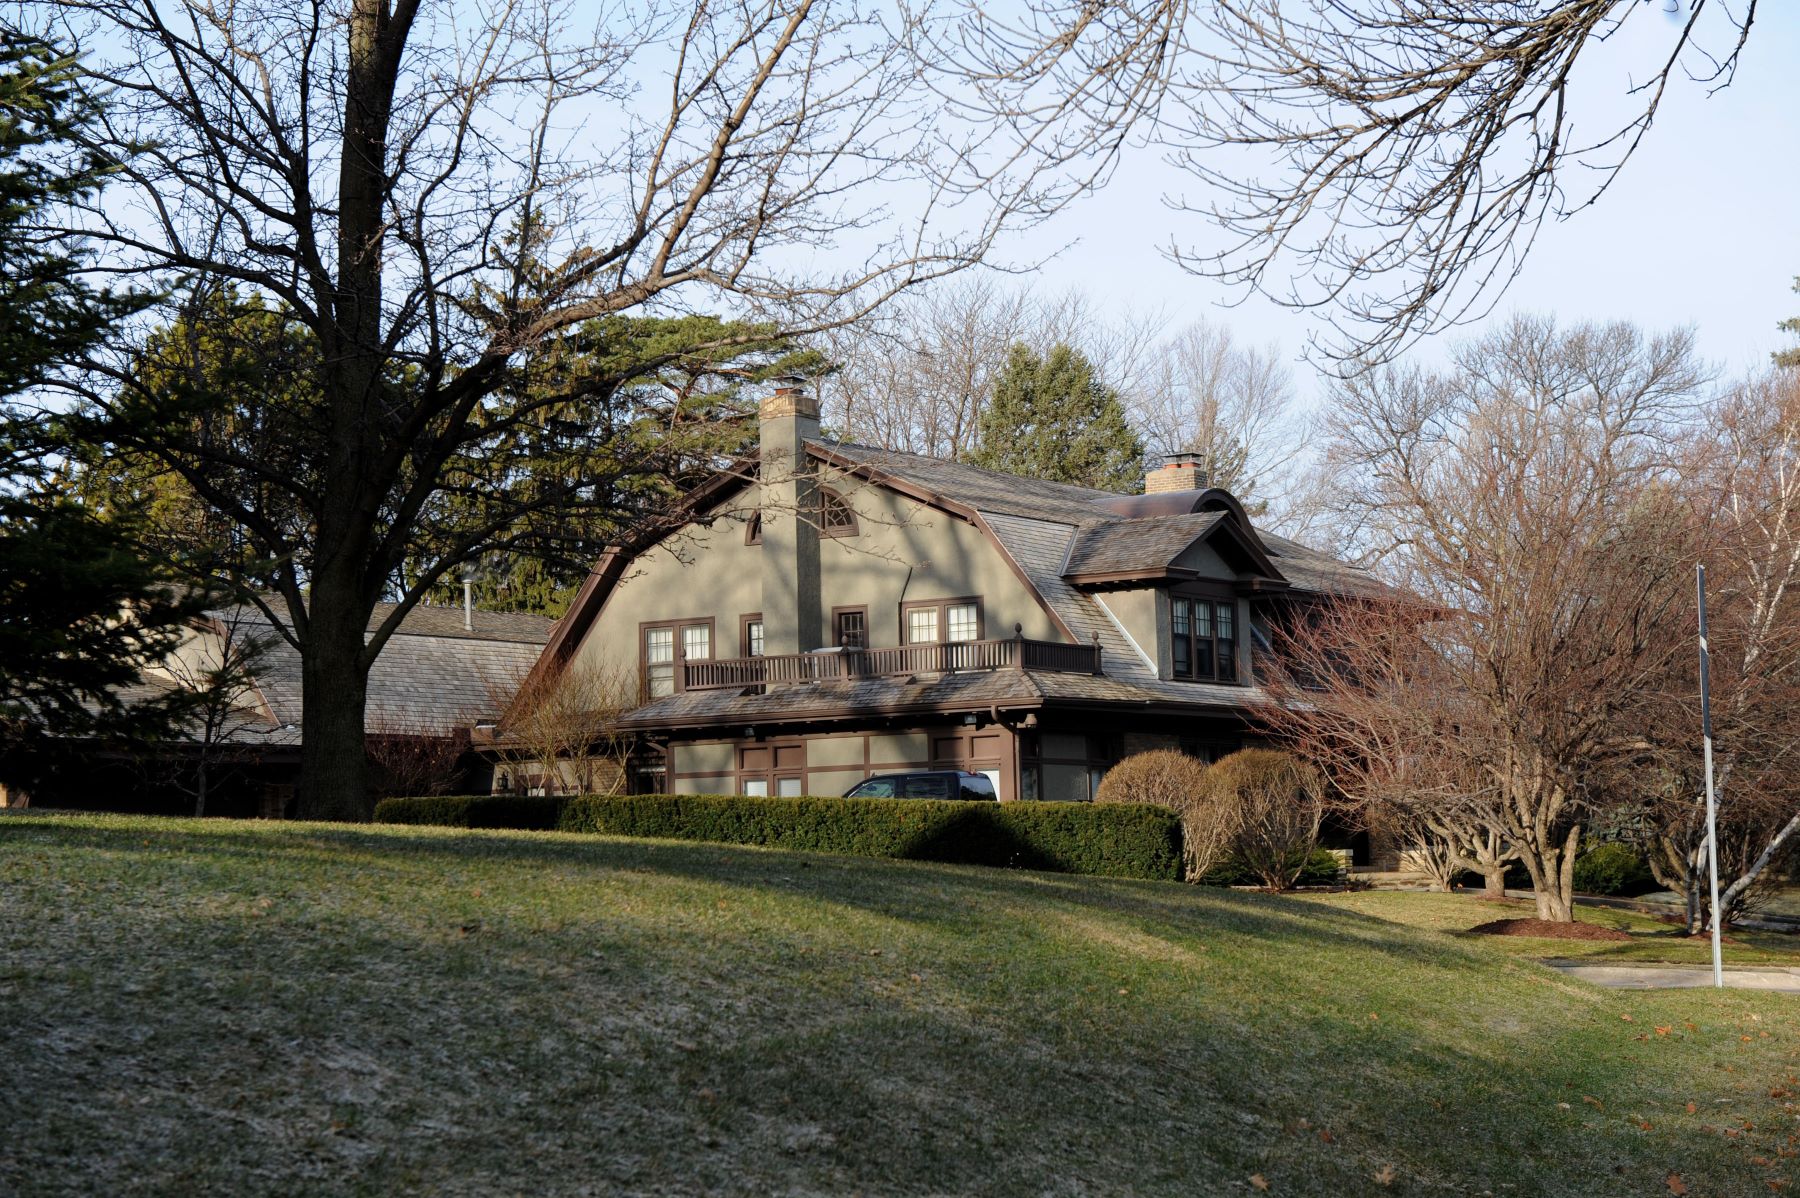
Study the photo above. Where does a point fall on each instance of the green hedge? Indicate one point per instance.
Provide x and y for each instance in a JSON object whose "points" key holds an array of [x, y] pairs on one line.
{"points": [[1114, 840], [1613, 868], [529, 812]]}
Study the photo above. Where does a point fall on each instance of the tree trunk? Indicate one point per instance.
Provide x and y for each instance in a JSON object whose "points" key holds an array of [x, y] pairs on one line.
{"points": [[1493, 881], [1552, 868], [334, 770], [200, 785]]}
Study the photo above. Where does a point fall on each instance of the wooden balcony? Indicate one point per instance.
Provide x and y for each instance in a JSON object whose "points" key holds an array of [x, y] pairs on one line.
{"points": [[833, 665]]}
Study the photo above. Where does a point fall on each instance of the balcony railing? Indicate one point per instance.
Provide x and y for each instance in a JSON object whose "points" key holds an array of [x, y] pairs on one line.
{"points": [[832, 665]]}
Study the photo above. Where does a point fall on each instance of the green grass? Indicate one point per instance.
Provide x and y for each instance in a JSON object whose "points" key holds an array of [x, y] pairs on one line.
{"points": [[246, 1009], [1652, 940]]}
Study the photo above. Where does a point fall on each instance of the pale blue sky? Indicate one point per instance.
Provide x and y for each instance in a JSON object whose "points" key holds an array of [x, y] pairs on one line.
{"points": [[1702, 228]]}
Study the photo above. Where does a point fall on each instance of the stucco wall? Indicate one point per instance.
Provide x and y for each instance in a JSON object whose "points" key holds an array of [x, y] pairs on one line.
{"points": [[903, 551]]}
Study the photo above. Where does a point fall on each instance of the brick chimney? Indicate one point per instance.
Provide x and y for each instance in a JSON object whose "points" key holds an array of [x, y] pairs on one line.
{"points": [[1179, 472], [790, 544]]}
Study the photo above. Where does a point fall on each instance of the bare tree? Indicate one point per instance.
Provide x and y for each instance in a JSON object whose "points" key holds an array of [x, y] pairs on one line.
{"points": [[216, 664], [561, 729], [1362, 690], [1392, 160], [1525, 499], [1741, 470], [433, 194], [1228, 403], [916, 376], [413, 756]]}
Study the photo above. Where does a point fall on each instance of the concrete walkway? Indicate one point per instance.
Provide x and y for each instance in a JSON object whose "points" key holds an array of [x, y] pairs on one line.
{"points": [[1675, 977]]}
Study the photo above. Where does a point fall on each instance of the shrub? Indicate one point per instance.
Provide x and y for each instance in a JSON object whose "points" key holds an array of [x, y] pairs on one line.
{"points": [[1322, 867], [1277, 801], [526, 812], [1165, 778], [1115, 840], [1613, 868]]}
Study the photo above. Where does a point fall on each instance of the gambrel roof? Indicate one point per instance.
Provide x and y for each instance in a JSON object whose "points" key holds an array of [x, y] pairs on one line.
{"points": [[1068, 543]]}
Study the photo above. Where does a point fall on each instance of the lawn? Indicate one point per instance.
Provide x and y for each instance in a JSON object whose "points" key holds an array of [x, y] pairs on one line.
{"points": [[1652, 940], [262, 1008]]}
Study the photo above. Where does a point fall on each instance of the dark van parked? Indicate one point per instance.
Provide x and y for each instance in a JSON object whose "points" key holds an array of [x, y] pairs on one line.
{"points": [[933, 784]]}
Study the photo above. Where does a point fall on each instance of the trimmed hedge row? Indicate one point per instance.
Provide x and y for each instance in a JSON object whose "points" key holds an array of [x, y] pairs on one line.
{"points": [[1112, 840], [536, 813]]}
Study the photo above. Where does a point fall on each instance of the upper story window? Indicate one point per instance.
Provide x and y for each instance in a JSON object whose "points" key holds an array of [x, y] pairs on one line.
{"points": [[1204, 642], [851, 629], [751, 639], [836, 519], [753, 530], [657, 663], [941, 620]]}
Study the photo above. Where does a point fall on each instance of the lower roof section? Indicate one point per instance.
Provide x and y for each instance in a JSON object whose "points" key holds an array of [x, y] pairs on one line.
{"points": [[851, 701]]}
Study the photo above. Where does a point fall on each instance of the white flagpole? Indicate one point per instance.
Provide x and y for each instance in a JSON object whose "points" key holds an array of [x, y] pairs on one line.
{"points": [[1712, 810]]}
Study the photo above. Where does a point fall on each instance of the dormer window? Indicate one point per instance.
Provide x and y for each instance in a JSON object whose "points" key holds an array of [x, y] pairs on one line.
{"points": [[1204, 640]]}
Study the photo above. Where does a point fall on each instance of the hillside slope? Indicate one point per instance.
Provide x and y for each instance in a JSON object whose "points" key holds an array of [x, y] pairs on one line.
{"points": [[252, 1008]]}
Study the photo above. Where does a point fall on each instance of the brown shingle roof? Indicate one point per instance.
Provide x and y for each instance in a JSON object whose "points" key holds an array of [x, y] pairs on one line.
{"points": [[1112, 546]]}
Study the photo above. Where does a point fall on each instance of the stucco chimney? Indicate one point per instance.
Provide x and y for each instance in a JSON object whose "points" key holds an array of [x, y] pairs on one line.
{"points": [[1179, 472], [790, 532]]}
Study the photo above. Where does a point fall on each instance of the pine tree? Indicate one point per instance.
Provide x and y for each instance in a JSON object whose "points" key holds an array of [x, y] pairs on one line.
{"points": [[1051, 418], [80, 610]]}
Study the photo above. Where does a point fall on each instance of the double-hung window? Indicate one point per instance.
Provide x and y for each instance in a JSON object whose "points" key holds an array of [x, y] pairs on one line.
{"points": [[1204, 641], [948, 621], [659, 652]]}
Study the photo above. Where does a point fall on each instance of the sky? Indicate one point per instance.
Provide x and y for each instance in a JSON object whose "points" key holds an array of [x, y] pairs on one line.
{"points": [[1701, 228]]}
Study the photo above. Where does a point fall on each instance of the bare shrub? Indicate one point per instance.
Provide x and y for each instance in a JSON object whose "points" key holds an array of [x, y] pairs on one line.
{"points": [[563, 726], [1277, 804], [412, 756], [1166, 778]]}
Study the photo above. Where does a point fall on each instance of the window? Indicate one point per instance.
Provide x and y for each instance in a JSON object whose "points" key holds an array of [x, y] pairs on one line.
{"points": [[750, 636], [753, 530], [836, 519], [658, 660], [962, 622], [1204, 641], [941, 620], [851, 627]]}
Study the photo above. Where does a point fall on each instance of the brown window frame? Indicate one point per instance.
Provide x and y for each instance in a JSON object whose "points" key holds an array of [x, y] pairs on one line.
{"points": [[744, 622], [1228, 677], [753, 529], [943, 607], [648, 626], [837, 631], [828, 498]]}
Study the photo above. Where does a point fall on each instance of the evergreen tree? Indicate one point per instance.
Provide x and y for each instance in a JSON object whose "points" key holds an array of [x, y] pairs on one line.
{"points": [[1051, 418], [1789, 357], [80, 610]]}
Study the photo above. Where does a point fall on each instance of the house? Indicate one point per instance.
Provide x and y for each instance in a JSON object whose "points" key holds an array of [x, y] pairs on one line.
{"points": [[829, 610], [441, 671]]}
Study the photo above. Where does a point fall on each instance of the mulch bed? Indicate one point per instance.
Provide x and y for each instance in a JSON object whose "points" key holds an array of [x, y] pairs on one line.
{"points": [[1548, 930]]}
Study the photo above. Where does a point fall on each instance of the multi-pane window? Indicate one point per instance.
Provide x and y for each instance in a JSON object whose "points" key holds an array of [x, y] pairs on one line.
{"points": [[1204, 642], [658, 660], [753, 638], [942, 620], [962, 622], [853, 628]]}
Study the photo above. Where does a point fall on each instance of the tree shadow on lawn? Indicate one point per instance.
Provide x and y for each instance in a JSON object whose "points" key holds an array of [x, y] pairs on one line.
{"points": [[827, 1081], [913, 892]]}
